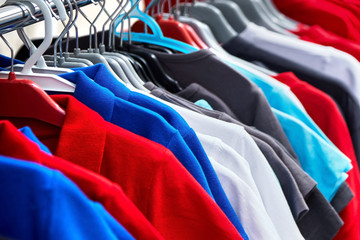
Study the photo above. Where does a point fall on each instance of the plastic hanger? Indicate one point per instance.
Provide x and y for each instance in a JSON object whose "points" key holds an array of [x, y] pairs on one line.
{"points": [[232, 13], [212, 17], [47, 82], [156, 37], [41, 66], [25, 99]]}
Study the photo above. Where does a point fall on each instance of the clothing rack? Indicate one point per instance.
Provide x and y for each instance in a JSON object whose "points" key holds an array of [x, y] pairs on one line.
{"points": [[14, 16]]}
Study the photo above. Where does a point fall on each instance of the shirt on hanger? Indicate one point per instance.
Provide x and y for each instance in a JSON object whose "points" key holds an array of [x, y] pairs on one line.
{"points": [[321, 221], [317, 34], [159, 182], [245, 98], [58, 207], [104, 78], [330, 85], [148, 124], [328, 60], [325, 112], [264, 177], [95, 186], [320, 160], [330, 16]]}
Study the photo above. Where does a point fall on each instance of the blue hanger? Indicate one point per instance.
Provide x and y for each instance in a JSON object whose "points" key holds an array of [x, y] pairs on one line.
{"points": [[156, 38]]}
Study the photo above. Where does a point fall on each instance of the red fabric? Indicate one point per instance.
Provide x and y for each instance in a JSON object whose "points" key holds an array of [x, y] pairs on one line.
{"points": [[325, 13], [317, 34], [324, 111], [149, 174], [97, 188]]}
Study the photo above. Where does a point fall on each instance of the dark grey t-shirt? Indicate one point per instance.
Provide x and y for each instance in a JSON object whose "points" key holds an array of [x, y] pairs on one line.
{"points": [[244, 98], [321, 221], [330, 85]]}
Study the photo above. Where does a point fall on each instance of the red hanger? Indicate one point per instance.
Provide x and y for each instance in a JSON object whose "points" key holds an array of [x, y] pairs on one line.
{"points": [[195, 37], [24, 99]]}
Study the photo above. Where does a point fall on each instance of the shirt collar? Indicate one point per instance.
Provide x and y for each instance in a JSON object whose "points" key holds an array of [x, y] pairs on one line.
{"points": [[101, 75], [92, 94], [82, 128], [288, 78]]}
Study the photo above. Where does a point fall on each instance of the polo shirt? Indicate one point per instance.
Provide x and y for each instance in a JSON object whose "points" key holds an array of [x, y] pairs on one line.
{"points": [[95, 186], [136, 119], [317, 34], [326, 113], [321, 221], [103, 77], [328, 60], [325, 13], [151, 125], [242, 96], [148, 173], [30, 135], [42, 203], [330, 85], [264, 177]]}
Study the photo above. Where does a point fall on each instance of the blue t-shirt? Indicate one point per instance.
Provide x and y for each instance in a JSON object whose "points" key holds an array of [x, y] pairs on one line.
{"points": [[318, 158], [279, 99], [31, 136], [40, 203], [153, 126]]}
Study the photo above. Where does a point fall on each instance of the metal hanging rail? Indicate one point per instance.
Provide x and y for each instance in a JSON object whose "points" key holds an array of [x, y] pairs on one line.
{"points": [[14, 16]]}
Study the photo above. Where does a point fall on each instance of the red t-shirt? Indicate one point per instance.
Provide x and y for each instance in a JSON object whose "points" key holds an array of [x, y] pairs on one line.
{"points": [[324, 111], [317, 34], [328, 15], [149, 174], [14, 144]]}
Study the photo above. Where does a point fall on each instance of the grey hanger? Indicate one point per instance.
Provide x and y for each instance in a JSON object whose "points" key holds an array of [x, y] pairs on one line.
{"points": [[232, 13], [256, 14], [213, 17], [287, 22], [206, 35]]}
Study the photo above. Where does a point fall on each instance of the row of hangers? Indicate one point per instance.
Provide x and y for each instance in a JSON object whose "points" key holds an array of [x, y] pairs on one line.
{"points": [[130, 64]]}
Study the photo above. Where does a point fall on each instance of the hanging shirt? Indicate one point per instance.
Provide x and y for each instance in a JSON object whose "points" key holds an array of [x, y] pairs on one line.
{"points": [[326, 113], [96, 187], [236, 178], [245, 99], [330, 85], [103, 77], [264, 177], [148, 173], [330, 16], [321, 221], [43, 204], [328, 60], [317, 34], [150, 125]]}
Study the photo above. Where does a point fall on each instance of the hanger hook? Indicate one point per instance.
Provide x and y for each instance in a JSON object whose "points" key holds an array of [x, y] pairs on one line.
{"points": [[11, 52]]}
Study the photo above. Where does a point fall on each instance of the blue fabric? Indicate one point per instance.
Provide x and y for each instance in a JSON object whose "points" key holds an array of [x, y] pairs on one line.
{"points": [[319, 159], [203, 103], [103, 77], [40, 203], [31, 136], [153, 126], [6, 62], [279, 99]]}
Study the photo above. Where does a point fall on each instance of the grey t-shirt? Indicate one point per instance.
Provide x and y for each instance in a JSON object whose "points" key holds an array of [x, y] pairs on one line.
{"points": [[243, 97], [321, 221]]}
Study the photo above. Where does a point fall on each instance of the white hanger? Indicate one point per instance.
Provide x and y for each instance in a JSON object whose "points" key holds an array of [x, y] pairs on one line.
{"points": [[48, 82]]}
